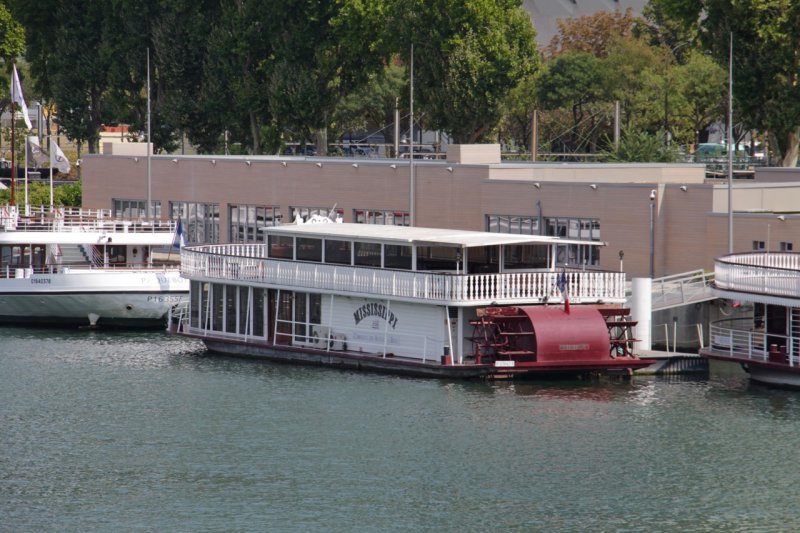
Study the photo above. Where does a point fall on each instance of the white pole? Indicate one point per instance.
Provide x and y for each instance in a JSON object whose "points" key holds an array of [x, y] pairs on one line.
{"points": [[411, 186], [730, 146], [641, 310], [149, 143], [50, 137], [26, 176]]}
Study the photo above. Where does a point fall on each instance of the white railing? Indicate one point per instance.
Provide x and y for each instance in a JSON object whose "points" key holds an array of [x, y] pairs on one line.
{"points": [[245, 263], [742, 343], [681, 289], [77, 219], [776, 274]]}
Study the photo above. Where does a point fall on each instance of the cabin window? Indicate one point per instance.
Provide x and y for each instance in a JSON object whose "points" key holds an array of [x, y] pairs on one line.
{"points": [[337, 252], [307, 212], [309, 249], [388, 217], [397, 256], [786, 246], [246, 223], [525, 256], [307, 313], [200, 221], [438, 258], [122, 208], [367, 254], [281, 247], [217, 307], [258, 312], [758, 246]]}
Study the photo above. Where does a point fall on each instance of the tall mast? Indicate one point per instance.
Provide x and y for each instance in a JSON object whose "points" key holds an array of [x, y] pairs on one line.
{"points": [[411, 184], [149, 161], [730, 146]]}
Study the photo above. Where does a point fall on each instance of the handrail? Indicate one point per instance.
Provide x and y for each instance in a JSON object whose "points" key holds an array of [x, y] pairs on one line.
{"points": [[744, 343], [776, 274], [512, 287]]}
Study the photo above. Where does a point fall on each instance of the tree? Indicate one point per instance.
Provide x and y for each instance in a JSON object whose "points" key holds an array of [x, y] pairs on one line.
{"points": [[642, 147], [572, 81], [766, 66], [591, 33], [468, 57]]}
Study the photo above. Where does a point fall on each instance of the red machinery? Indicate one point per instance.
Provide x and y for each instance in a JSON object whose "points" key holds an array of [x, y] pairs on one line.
{"points": [[550, 339]]}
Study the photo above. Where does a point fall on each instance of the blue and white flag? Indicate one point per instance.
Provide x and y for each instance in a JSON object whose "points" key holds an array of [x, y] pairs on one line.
{"points": [[180, 236], [17, 98], [35, 151], [562, 286]]}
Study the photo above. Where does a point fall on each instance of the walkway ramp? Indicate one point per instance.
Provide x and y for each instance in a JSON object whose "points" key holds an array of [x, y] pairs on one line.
{"points": [[681, 289]]}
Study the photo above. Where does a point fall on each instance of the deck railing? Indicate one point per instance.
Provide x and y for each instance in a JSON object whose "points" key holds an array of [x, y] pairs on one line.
{"points": [[245, 263], [776, 274], [732, 337], [77, 219]]}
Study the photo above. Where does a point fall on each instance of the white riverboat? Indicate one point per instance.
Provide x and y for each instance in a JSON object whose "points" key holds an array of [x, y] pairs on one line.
{"points": [[418, 301], [80, 267], [762, 331]]}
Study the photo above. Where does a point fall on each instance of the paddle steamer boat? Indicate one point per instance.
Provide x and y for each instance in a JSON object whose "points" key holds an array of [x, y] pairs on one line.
{"points": [[408, 300]]}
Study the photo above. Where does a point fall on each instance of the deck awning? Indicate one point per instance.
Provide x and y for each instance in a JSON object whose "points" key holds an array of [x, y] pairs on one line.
{"points": [[417, 236]]}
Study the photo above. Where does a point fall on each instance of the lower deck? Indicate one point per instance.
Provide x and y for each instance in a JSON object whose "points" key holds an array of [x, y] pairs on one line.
{"points": [[398, 336]]}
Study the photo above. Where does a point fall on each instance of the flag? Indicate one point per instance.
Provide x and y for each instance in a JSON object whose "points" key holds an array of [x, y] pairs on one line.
{"points": [[17, 98], [57, 158], [562, 286], [180, 236], [35, 152]]}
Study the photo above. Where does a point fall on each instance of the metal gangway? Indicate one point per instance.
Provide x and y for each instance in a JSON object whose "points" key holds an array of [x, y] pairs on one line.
{"points": [[682, 289]]}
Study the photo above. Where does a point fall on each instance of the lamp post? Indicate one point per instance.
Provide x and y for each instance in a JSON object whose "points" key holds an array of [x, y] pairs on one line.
{"points": [[652, 231]]}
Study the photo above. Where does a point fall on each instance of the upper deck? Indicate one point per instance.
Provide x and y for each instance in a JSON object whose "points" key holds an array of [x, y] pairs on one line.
{"points": [[772, 277], [67, 225], [446, 267]]}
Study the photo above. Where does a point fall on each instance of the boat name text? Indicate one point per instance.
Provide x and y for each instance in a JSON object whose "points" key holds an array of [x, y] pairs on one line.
{"points": [[573, 347], [43, 281], [375, 309]]}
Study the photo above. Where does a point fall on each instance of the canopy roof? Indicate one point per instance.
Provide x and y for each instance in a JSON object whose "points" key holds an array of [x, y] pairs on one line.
{"points": [[416, 236]]}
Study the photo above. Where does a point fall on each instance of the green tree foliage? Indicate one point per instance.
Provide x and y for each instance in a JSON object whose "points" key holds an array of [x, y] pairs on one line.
{"points": [[637, 146], [766, 65], [468, 57], [69, 194], [12, 36]]}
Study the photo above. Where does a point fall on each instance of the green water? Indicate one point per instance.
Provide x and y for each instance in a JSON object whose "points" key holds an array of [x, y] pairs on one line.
{"points": [[144, 432]]}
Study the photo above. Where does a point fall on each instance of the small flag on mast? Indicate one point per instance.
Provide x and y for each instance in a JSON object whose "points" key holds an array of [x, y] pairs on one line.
{"points": [[35, 152], [180, 236], [562, 286], [17, 98], [57, 158]]}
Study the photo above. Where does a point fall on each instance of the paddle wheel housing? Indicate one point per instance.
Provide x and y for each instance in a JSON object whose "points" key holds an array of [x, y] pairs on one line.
{"points": [[551, 335]]}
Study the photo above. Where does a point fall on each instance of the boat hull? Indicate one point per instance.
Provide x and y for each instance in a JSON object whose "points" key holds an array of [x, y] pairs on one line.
{"points": [[404, 366], [92, 298], [777, 374]]}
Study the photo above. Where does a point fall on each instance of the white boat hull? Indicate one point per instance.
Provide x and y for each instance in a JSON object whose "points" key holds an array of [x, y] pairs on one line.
{"points": [[106, 298]]}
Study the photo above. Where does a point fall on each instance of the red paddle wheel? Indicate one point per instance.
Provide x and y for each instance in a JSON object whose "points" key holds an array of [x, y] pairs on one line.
{"points": [[549, 339]]}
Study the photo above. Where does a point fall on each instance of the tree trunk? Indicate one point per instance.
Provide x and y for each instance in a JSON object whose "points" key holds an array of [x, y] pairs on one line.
{"points": [[792, 146], [322, 141], [255, 133]]}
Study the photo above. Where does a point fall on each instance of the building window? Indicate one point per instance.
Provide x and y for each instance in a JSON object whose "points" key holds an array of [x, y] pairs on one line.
{"points": [[786, 246], [200, 221], [758, 246], [378, 216], [122, 208], [306, 212], [247, 222], [583, 229]]}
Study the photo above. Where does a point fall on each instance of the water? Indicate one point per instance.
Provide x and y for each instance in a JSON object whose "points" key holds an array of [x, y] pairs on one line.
{"points": [[112, 431]]}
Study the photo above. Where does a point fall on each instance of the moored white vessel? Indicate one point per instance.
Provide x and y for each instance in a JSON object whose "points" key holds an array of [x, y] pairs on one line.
{"points": [[407, 300], [81, 267], [762, 332]]}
